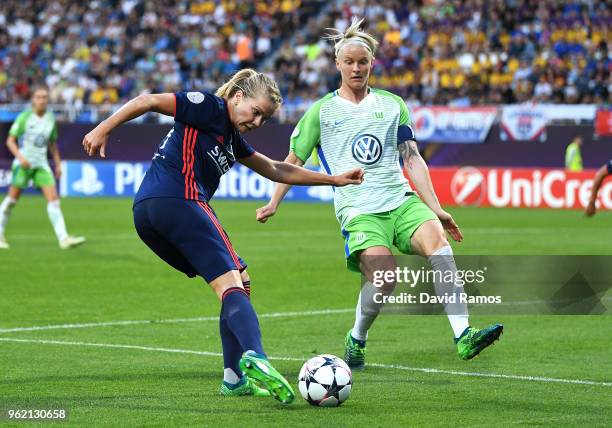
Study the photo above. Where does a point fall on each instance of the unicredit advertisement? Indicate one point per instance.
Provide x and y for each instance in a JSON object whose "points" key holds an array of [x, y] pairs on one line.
{"points": [[520, 188]]}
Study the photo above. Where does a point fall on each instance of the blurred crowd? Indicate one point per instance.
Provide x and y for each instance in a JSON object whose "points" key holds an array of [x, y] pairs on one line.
{"points": [[467, 52], [461, 52], [106, 51]]}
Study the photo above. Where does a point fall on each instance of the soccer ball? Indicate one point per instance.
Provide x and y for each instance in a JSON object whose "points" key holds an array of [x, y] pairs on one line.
{"points": [[325, 380]]}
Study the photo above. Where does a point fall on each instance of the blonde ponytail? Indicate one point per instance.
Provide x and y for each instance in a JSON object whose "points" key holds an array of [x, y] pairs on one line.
{"points": [[252, 84], [353, 34]]}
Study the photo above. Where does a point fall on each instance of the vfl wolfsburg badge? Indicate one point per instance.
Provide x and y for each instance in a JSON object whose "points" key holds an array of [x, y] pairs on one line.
{"points": [[379, 115]]}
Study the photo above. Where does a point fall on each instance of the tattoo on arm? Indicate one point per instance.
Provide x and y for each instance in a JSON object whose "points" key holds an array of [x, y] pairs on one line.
{"points": [[410, 152]]}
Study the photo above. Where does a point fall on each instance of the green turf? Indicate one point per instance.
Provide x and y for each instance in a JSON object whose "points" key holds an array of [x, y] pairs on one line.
{"points": [[296, 264]]}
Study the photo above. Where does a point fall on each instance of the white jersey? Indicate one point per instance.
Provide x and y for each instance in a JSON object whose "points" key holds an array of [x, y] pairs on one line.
{"points": [[364, 135], [34, 133]]}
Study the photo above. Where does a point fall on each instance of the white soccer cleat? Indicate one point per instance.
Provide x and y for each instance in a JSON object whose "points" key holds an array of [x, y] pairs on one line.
{"points": [[71, 241], [3, 244]]}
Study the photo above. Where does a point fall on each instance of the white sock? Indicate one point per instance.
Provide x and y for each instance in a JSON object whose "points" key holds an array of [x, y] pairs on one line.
{"points": [[366, 312], [5, 211], [457, 313], [230, 376], [57, 219]]}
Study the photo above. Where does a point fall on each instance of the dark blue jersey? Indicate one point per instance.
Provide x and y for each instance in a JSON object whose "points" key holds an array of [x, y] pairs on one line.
{"points": [[201, 147]]}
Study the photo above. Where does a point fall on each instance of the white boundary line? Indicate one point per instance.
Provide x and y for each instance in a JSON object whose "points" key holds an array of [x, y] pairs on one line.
{"points": [[201, 319], [384, 366], [170, 321]]}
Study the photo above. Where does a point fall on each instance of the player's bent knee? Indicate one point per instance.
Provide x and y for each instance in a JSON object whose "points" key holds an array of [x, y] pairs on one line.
{"points": [[430, 238], [14, 192], [375, 260], [438, 242], [377, 275], [375, 270], [221, 284], [245, 276], [50, 193], [387, 288]]}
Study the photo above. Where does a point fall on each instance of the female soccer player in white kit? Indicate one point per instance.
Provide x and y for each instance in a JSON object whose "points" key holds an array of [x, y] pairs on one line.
{"points": [[359, 126], [32, 135]]}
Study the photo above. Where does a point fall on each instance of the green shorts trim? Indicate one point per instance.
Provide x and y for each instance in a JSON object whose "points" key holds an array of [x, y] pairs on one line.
{"points": [[387, 229], [40, 177]]}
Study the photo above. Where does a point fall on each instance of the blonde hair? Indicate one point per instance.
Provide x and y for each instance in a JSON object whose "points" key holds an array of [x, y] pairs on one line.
{"points": [[353, 34], [37, 88], [251, 83]]}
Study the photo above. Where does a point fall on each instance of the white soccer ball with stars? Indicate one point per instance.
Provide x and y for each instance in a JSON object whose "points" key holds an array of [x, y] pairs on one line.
{"points": [[325, 380]]}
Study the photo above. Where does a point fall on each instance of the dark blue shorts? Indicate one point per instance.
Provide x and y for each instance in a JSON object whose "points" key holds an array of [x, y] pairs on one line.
{"points": [[187, 235]]}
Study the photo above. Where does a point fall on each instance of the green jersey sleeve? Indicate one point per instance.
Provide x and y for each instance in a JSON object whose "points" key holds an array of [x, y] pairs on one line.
{"points": [[19, 126], [307, 132], [405, 131], [405, 118]]}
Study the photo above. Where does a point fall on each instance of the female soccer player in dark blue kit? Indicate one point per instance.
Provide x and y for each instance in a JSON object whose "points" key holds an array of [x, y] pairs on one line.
{"points": [[172, 215]]}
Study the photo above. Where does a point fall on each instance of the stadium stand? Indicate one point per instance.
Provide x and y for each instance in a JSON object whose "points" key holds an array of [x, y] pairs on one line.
{"points": [[468, 52], [108, 51], [457, 53]]}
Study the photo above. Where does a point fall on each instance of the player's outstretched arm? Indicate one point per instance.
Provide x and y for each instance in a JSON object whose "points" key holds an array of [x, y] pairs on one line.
{"points": [[283, 172], [599, 178], [419, 174], [262, 214], [95, 141]]}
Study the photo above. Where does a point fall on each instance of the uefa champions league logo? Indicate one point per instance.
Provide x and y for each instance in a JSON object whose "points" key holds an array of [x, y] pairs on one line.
{"points": [[367, 149], [195, 97]]}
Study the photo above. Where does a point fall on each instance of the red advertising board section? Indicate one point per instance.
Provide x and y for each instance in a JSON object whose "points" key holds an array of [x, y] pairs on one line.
{"points": [[603, 123], [512, 187]]}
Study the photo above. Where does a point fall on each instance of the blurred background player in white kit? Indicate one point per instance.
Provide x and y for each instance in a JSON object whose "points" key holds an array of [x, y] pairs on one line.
{"points": [[32, 135]]}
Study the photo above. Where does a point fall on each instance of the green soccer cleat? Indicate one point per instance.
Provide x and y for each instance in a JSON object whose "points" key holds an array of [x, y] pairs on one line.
{"points": [[354, 352], [245, 387], [259, 369], [472, 341]]}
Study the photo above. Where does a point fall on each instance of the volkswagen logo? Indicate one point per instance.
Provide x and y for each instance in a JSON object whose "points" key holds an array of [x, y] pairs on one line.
{"points": [[367, 149]]}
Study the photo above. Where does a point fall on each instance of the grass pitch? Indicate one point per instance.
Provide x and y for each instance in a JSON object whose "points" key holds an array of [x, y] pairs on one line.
{"points": [[150, 372]]}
